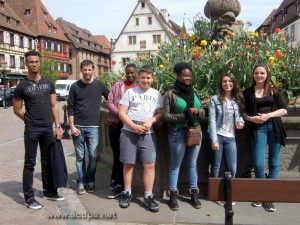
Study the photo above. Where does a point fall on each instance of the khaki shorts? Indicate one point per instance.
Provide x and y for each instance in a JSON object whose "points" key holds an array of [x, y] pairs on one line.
{"points": [[133, 145]]}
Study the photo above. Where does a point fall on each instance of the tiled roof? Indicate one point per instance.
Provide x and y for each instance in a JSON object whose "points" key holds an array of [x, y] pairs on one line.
{"points": [[103, 41], [15, 23], [286, 10], [37, 18], [80, 37]]}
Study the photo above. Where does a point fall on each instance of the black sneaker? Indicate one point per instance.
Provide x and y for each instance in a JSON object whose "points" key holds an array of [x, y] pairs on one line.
{"points": [[195, 198], [151, 204], [125, 200], [80, 189], [32, 203], [268, 206], [91, 187], [54, 197], [116, 192]]}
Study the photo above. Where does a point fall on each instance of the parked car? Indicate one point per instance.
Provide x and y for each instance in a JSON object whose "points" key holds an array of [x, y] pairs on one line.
{"points": [[9, 97]]}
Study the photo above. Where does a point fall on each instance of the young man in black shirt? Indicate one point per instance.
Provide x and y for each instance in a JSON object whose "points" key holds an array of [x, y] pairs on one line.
{"points": [[39, 96], [84, 104]]}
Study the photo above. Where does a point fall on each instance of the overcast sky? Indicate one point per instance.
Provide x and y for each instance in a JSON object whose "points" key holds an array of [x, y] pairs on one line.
{"points": [[108, 17]]}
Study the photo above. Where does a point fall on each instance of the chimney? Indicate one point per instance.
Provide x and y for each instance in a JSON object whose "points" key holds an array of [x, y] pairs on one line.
{"points": [[165, 14]]}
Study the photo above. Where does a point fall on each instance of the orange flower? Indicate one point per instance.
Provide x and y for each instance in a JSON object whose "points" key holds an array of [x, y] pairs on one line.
{"points": [[197, 55], [248, 47], [278, 54], [277, 30]]}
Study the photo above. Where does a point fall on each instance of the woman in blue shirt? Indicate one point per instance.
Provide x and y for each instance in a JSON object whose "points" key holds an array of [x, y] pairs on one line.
{"points": [[225, 115]]}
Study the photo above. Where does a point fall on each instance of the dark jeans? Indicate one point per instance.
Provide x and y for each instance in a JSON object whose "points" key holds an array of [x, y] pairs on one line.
{"points": [[114, 138], [34, 135]]}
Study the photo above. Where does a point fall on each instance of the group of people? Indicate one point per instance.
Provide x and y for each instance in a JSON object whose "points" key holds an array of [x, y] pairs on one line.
{"points": [[134, 106]]}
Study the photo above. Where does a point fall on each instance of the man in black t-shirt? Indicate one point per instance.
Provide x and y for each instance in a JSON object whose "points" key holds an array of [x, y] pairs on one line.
{"points": [[84, 117], [39, 96]]}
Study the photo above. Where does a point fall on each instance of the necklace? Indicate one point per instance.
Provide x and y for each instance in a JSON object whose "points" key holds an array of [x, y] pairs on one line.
{"points": [[34, 83]]}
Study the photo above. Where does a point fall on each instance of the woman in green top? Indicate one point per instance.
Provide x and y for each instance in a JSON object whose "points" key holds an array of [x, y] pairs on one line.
{"points": [[181, 110]]}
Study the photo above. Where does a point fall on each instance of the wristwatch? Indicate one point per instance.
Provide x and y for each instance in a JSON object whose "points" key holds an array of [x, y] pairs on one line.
{"points": [[58, 126]]}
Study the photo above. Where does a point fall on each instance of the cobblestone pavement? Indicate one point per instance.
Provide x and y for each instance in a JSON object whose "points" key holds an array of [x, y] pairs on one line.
{"points": [[81, 209]]}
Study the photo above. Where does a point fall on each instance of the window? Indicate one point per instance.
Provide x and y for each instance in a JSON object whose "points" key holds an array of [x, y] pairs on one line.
{"points": [[1, 37], [136, 21], [12, 39], [52, 46], [58, 66], [65, 49], [45, 14], [292, 32], [17, 61], [16, 40], [8, 19], [49, 28], [143, 44], [22, 62], [27, 12], [55, 30], [59, 47], [283, 14], [143, 4], [125, 61], [156, 38], [132, 40], [12, 61], [149, 20], [2, 4], [30, 44], [18, 23]]}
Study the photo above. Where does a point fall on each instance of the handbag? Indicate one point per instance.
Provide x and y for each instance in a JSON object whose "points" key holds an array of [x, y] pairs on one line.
{"points": [[193, 136]]}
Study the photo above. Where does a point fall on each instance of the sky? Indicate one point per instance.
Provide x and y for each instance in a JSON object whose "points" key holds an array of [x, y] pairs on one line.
{"points": [[108, 17]]}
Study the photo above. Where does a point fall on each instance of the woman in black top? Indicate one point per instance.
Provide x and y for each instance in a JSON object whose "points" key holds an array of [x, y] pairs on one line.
{"points": [[264, 108]]}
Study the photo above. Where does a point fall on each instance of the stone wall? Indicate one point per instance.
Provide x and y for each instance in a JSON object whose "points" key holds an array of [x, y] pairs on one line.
{"points": [[290, 156]]}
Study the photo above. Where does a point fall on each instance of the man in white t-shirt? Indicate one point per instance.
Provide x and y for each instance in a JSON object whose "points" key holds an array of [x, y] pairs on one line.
{"points": [[140, 108]]}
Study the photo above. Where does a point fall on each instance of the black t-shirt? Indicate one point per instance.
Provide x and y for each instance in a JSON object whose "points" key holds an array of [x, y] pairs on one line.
{"points": [[84, 102], [36, 96]]}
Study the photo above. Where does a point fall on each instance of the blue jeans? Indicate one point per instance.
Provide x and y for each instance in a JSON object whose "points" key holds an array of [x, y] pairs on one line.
{"points": [[88, 139], [34, 136], [227, 148], [266, 135], [178, 149]]}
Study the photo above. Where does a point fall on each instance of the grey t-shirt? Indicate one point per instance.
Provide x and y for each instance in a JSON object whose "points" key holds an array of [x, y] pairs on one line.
{"points": [[141, 104], [227, 129]]}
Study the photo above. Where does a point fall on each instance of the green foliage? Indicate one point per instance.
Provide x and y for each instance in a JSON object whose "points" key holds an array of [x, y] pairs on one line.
{"points": [[49, 67], [236, 53]]}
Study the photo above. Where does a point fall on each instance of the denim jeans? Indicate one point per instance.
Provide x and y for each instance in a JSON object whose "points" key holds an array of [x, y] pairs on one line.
{"points": [[88, 139], [178, 149], [266, 135], [34, 135], [114, 138], [227, 148]]}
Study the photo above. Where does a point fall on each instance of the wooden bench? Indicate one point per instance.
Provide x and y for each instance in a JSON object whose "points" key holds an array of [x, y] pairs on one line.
{"points": [[251, 190]]}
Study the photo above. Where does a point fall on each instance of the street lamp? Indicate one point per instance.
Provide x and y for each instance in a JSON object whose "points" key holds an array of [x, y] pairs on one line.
{"points": [[3, 72]]}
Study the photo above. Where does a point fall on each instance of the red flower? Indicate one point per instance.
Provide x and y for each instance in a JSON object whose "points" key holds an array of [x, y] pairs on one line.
{"points": [[197, 55], [278, 54], [277, 30], [240, 53], [113, 62]]}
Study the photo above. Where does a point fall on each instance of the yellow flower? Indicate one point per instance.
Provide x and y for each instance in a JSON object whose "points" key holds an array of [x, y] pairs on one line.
{"points": [[271, 59], [217, 53], [203, 43], [214, 42], [161, 66], [256, 34]]}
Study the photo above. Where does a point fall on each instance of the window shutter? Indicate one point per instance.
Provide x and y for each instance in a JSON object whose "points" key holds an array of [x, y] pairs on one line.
{"points": [[17, 59], [7, 59]]}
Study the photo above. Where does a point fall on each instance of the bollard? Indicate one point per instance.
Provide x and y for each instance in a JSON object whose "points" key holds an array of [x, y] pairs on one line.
{"points": [[65, 126], [228, 198]]}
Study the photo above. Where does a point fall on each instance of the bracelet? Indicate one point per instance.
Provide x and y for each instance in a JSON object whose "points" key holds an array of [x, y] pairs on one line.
{"points": [[58, 126]]}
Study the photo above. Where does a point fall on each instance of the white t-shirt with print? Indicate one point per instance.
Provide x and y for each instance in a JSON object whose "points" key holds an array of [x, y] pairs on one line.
{"points": [[141, 104]]}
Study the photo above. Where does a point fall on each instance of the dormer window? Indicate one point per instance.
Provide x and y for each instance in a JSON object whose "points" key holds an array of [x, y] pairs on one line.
{"points": [[27, 12], [77, 32], [283, 11], [45, 14], [2, 4], [8, 19], [55, 30], [18, 23], [49, 28], [298, 6], [143, 4]]}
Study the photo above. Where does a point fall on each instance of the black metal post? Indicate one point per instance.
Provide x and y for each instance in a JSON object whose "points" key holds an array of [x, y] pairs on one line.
{"points": [[65, 126], [4, 99], [228, 198]]}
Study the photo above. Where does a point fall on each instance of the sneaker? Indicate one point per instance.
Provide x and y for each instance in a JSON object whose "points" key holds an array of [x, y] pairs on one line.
{"points": [[115, 192], [91, 187], [33, 204], [221, 203], [151, 204], [125, 200], [256, 204], [54, 197], [268, 206], [80, 189]]}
